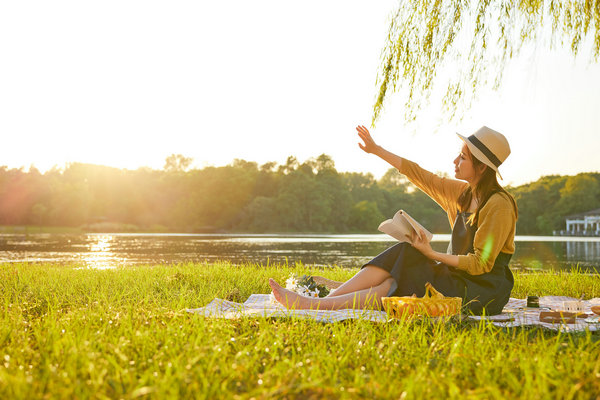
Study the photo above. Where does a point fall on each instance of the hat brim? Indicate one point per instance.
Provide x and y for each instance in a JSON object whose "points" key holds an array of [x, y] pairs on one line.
{"points": [[478, 154]]}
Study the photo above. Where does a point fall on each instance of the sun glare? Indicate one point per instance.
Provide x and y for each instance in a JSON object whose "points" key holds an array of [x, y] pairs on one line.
{"points": [[100, 255]]}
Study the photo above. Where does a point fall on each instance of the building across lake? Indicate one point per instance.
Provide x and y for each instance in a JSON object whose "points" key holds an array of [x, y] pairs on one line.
{"points": [[582, 224]]}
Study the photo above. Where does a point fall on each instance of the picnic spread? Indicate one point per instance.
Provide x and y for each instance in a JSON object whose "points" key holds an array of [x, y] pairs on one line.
{"points": [[550, 314]]}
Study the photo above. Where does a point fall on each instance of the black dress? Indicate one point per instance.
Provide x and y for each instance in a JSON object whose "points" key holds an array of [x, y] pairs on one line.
{"points": [[486, 293]]}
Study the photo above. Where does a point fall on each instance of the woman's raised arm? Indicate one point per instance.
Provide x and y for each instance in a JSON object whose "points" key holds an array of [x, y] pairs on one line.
{"points": [[443, 191], [369, 146]]}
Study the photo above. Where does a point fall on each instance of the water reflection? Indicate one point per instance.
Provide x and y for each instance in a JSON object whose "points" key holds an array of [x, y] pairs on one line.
{"points": [[102, 245], [583, 251], [100, 255], [111, 250]]}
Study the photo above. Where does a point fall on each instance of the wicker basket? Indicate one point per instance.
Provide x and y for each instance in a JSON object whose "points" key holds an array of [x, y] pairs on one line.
{"points": [[433, 304]]}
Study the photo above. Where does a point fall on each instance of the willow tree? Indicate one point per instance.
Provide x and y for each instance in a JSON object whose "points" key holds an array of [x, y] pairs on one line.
{"points": [[464, 46]]}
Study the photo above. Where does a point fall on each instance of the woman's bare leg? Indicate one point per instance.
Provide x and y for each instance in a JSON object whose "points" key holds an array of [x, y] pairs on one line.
{"points": [[368, 277], [331, 284], [366, 298]]}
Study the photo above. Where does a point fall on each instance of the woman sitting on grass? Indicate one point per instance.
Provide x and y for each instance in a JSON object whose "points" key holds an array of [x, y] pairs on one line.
{"points": [[482, 216]]}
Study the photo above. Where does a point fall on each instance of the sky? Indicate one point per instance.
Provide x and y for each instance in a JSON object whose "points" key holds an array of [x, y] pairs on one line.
{"points": [[127, 83]]}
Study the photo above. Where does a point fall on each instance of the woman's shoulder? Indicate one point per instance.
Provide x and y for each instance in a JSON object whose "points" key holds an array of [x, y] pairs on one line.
{"points": [[500, 200]]}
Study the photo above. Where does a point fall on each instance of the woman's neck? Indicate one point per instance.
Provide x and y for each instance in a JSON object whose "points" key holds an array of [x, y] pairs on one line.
{"points": [[473, 183], [474, 195], [474, 198], [474, 204]]}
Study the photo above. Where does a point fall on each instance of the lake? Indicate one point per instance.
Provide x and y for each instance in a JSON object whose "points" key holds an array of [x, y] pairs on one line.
{"points": [[122, 249]]}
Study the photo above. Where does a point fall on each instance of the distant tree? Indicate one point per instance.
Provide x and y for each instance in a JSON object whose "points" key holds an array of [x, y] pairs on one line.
{"points": [[365, 216], [333, 193], [581, 193], [267, 181], [219, 195], [426, 211], [243, 164], [392, 180], [308, 197], [39, 212], [268, 166], [544, 204], [290, 165], [356, 181], [471, 41], [177, 163], [537, 205], [260, 215], [324, 163], [15, 197]]}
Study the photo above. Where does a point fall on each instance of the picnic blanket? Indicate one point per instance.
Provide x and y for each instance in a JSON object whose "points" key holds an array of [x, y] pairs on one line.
{"points": [[515, 312]]}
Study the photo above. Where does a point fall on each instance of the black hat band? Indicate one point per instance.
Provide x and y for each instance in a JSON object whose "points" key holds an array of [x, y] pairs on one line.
{"points": [[477, 143]]}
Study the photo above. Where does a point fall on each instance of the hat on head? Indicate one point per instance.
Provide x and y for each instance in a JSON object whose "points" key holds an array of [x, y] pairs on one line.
{"points": [[488, 146]]}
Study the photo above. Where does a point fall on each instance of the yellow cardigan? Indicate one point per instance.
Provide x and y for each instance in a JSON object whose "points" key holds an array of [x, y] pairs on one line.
{"points": [[497, 220]]}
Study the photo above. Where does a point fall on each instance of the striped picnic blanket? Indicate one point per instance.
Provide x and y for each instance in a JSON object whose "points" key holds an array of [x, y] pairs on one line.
{"points": [[515, 313]]}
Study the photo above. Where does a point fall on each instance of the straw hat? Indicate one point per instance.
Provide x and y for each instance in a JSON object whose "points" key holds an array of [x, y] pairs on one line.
{"points": [[488, 146]]}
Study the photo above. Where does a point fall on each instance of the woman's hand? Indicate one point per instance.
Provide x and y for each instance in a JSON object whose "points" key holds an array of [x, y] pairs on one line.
{"points": [[369, 145], [420, 242]]}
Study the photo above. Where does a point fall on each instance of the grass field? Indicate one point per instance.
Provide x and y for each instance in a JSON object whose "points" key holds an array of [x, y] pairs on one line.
{"points": [[79, 333]]}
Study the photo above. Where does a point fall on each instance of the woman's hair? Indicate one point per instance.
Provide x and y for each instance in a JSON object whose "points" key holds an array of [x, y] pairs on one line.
{"points": [[486, 186]]}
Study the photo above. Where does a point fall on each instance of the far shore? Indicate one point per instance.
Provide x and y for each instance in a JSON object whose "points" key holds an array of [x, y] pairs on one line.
{"points": [[132, 230]]}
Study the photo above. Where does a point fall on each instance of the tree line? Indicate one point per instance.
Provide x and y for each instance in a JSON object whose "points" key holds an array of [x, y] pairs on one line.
{"points": [[311, 196]]}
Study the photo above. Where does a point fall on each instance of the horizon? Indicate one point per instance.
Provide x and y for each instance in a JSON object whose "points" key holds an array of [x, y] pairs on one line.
{"points": [[62, 168]]}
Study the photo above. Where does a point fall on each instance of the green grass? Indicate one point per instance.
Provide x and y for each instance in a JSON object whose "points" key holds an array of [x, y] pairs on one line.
{"points": [[80, 333]]}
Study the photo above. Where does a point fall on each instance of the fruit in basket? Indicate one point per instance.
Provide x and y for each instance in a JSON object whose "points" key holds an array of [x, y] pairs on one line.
{"points": [[433, 304]]}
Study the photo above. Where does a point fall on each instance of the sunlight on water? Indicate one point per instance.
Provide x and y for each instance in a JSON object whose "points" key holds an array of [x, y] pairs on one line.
{"points": [[107, 251], [102, 245], [100, 256]]}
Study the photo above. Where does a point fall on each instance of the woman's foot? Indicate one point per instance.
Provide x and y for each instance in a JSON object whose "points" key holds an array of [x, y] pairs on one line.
{"points": [[288, 298]]}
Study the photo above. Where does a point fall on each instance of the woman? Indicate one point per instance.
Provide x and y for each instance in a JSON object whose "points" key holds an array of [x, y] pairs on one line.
{"points": [[482, 216]]}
